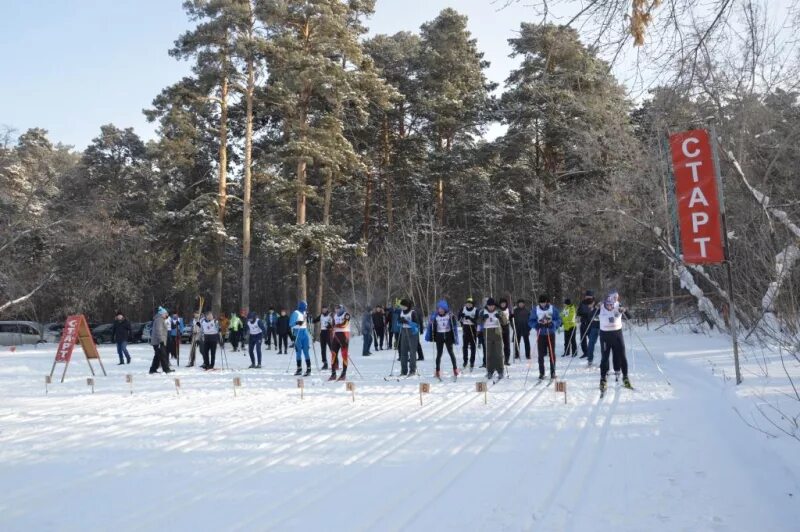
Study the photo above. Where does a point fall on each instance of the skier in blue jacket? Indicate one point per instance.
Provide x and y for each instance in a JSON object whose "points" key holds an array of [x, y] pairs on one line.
{"points": [[302, 341], [546, 319]]}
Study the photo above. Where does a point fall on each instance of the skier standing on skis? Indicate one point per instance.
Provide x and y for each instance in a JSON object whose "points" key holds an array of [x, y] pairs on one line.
{"points": [[302, 340], [612, 340], [366, 331], [175, 331], [568, 313], [521, 316], [589, 312], [408, 338], [468, 318], [158, 339], [325, 320], [492, 319], [284, 329], [443, 329], [419, 317], [257, 330], [271, 321], [235, 331], [546, 319], [340, 342], [388, 313], [210, 328], [506, 331], [379, 325]]}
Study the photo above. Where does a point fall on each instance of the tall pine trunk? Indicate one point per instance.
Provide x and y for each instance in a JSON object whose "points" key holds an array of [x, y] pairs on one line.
{"points": [[367, 200], [302, 278], [386, 176], [248, 185], [326, 220], [222, 192]]}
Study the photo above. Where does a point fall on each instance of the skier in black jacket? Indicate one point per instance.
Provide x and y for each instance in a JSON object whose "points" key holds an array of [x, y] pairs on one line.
{"points": [[379, 326], [283, 329], [120, 332], [519, 321], [590, 325], [468, 318]]}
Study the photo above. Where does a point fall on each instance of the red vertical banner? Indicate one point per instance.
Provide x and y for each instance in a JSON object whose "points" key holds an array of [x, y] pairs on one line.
{"points": [[697, 197], [69, 337]]}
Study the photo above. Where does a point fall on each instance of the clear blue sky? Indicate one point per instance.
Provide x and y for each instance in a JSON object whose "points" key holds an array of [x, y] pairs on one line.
{"points": [[70, 66]]}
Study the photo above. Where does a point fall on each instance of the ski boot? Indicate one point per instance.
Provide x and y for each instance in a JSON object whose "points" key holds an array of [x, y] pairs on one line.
{"points": [[258, 366], [324, 366], [333, 376], [616, 376], [456, 373], [412, 373], [343, 376], [627, 383], [603, 387], [541, 377], [308, 371], [299, 371], [437, 374]]}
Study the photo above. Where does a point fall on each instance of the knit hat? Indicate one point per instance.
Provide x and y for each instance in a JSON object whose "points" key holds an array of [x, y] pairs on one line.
{"points": [[503, 300], [302, 306], [252, 316], [470, 300], [443, 305], [490, 302], [544, 298], [162, 311], [588, 293], [567, 301]]}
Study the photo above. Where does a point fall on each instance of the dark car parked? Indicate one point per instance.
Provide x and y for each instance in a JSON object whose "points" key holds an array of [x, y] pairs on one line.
{"points": [[102, 334], [137, 329]]}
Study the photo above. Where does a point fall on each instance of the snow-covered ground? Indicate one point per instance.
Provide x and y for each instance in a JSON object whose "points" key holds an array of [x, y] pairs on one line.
{"points": [[661, 457]]}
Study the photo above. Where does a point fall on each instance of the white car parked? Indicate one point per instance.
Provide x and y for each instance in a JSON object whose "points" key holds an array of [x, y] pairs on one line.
{"points": [[20, 333]]}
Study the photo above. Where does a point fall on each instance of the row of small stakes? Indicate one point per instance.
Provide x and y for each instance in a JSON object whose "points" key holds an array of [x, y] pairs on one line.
{"points": [[424, 387]]}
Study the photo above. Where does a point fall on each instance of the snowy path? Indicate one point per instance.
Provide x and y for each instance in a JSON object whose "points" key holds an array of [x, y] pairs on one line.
{"points": [[658, 458]]}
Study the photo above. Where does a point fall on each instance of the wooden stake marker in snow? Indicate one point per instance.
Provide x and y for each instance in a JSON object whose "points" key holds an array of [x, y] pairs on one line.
{"points": [[482, 387], [561, 387], [351, 387], [90, 382], [424, 387], [302, 385], [129, 380], [47, 381], [177, 386], [237, 383]]}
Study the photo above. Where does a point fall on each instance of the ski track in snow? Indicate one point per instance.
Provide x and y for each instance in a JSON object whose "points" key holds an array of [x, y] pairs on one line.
{"points": [[657, 458]]}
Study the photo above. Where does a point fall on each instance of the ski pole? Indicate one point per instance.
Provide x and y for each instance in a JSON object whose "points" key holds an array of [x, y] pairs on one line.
{"points": [[583, 337], [350, 361], [630, 327], [552, 354], [530, 361], [314, 350]]}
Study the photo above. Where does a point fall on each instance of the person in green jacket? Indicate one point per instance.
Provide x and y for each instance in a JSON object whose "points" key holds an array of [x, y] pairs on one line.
{"points": [[568, 313], [235, 330]]}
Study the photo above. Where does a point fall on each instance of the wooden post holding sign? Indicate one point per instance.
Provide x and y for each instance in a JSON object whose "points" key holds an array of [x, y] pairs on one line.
{"points": [[129, 380], [90, 382], [561, 387], [237, 383], [177, 387], [48, 380], [351, 387], [483, 387], [701, 210], [301, 384], [76, 330], [424, 387]]}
